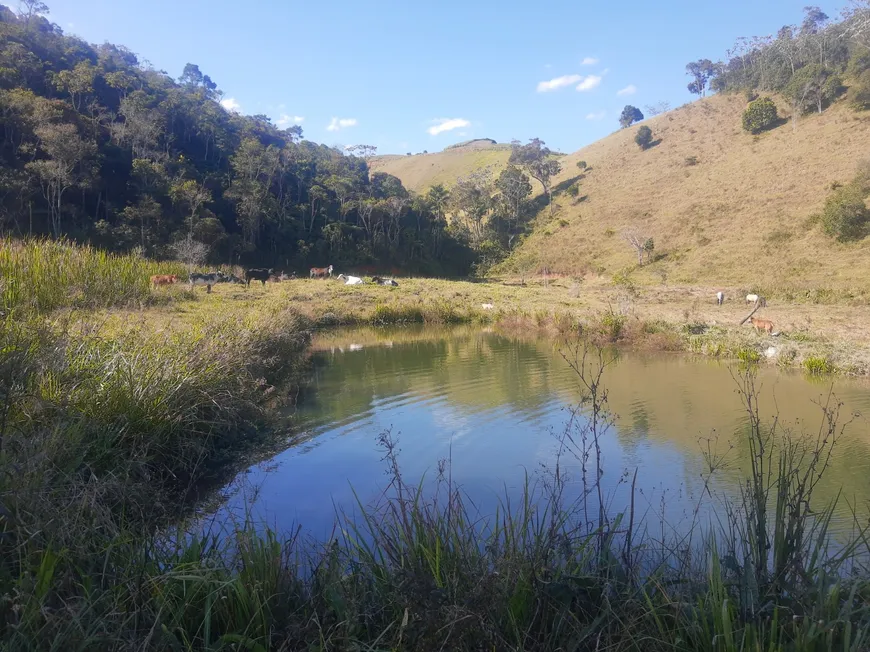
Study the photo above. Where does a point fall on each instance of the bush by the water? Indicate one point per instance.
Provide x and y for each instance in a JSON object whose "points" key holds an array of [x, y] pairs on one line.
{"points": [[760, 115]]}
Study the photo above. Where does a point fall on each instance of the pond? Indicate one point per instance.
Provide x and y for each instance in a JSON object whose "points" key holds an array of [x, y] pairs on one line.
{"points": [[496, 406]]}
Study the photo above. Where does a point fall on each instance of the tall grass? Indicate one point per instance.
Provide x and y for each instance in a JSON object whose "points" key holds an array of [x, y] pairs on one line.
{"points": [[39, 276]]}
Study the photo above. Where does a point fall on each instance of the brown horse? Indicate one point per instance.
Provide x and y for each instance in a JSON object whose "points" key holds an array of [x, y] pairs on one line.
{"points": [[320, 272]]}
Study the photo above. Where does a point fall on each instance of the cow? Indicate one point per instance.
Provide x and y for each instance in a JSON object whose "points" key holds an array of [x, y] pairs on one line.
{"points": [[384, 281], [286, 277], [257, 274], [212, 278], [351, 280], [753, 298], [720, 298], [762, 324], [320, 272], [232, 278], [164, 279]]}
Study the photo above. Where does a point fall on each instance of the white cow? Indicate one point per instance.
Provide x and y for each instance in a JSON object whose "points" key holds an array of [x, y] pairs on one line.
{"points": [[351, 280], [720, 298], [752, 298]]}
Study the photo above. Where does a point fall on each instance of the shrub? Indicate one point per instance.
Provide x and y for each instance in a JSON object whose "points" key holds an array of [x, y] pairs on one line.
{"points": [[581, 165], [860, 94], [612, 325], [644, 137], [818, 366], [748, 356], [691, 160], [845, 214], [573, 190], [760, 115]]}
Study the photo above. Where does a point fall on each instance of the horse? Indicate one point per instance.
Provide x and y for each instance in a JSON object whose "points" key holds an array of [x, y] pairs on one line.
{"points": [[320, 272]]}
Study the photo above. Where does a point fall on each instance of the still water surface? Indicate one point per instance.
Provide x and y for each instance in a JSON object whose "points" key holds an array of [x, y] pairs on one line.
{"points": [[496, 406]]}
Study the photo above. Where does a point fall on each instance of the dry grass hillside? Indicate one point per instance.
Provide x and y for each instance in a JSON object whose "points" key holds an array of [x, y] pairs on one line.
{"points": [[739, 216], [421, 171]]}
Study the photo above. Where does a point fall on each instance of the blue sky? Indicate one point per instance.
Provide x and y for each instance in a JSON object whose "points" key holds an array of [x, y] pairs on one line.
{"points": [[409, 76]]}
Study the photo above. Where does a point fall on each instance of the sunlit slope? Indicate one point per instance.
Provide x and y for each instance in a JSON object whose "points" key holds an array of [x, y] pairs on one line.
{"points": [[736, 215], [421, 171]]}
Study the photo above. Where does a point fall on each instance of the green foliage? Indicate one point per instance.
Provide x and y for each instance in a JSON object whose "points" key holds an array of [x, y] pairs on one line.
{"points": [[581, 165], [573, 190], [818, 366], [812, 88], [644, 137], [748, 356], [701, 72], [612, 325], [630, 115], [105, 150], [859, 94], [538, 162], [845, 215], [760, 115]]}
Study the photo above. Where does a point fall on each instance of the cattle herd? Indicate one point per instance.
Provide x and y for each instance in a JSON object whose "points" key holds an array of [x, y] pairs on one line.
{"points": [[260, 274]]}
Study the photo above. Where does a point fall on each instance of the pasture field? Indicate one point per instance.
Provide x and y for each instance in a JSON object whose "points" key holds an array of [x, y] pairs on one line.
{"points": [[120, 404]]}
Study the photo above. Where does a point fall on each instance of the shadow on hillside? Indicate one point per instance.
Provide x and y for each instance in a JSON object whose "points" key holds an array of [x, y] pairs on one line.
{"points": [[539, 203], [655, 143]]}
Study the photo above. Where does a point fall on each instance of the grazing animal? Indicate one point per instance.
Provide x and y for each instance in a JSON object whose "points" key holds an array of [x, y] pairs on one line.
{"points": [[762, 324], [212, 278], [720, 298], [384, 281], [232, 278], [752, 298], [351, 280], [257, 274], [164, 279], [285, 277], [320, 272], [487, 306]]}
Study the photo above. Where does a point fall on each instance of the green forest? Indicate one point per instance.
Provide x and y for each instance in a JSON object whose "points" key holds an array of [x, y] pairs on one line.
{"points": [[99, 147]]}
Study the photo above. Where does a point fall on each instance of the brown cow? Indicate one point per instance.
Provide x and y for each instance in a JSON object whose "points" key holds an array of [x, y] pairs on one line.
{"points": [[164, 279], [762, 324]]}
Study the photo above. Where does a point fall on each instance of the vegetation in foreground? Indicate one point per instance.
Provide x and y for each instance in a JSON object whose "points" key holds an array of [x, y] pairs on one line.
{"points": [[84, 568]]}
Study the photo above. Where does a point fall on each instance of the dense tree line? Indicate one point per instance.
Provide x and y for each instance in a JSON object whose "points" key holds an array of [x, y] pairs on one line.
{"points": [[806, 63], [98, 146]]}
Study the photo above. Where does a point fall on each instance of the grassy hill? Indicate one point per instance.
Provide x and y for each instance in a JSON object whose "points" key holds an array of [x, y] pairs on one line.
{"points": [[736, 216], [421, 171]]}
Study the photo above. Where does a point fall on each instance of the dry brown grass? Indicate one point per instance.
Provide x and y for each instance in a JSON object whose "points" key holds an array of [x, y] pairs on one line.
{"points": [[421, 171], [738, 216]]}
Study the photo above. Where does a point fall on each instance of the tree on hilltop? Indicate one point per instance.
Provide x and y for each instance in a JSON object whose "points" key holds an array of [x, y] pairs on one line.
{"points": [[701, 72], [630, 114]]}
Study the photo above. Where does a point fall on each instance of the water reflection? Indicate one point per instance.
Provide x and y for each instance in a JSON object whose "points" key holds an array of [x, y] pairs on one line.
{"points": [[496, 405]]}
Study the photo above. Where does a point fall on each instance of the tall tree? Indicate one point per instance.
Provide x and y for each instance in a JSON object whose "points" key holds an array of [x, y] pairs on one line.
{"points": [[630, 114], [538, 162], [701, 72], [65, 166], [514, 188]]}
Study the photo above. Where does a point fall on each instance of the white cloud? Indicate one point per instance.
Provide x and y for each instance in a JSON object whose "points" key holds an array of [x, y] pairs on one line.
{"points": [[589, 61], [597, 115], [631, 89], [340, 123], [447, 124], [589, 82], [558, 82], [286, 120], [230, 104]]}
